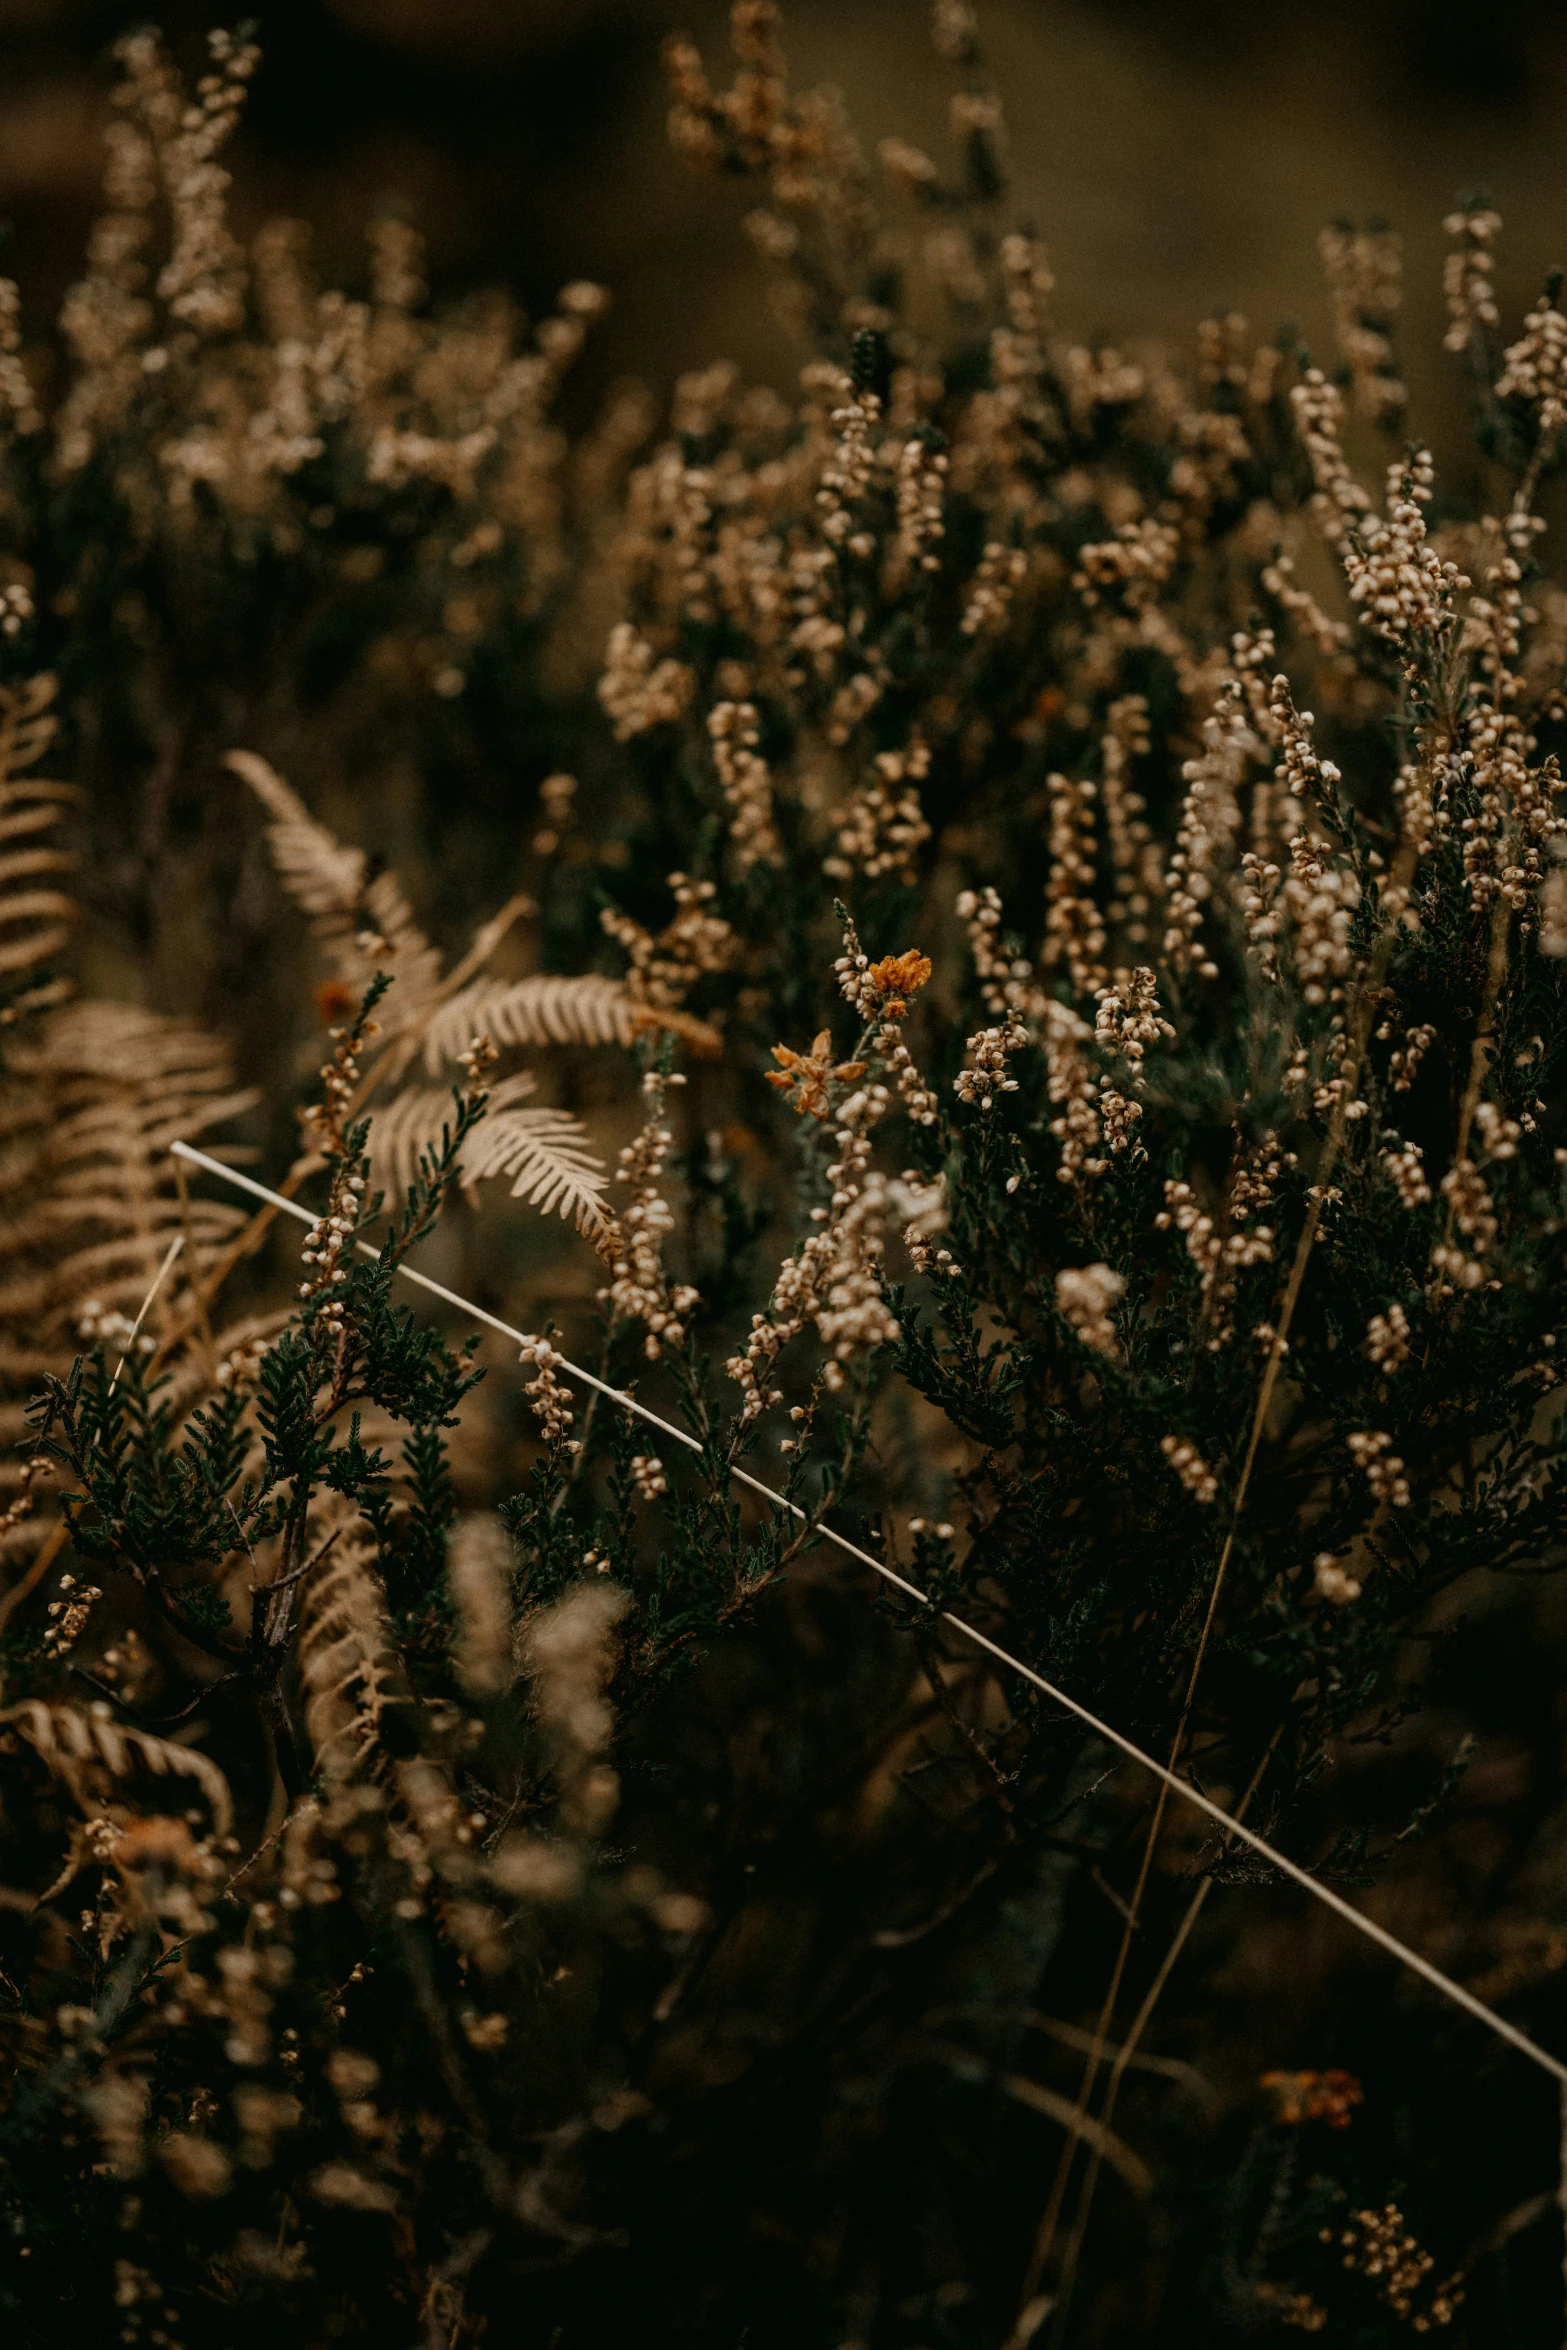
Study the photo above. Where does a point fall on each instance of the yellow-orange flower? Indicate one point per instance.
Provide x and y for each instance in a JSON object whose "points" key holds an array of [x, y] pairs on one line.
{"points": [[1314, 2097], [899, 977], [335, 999], [805, 1076]]}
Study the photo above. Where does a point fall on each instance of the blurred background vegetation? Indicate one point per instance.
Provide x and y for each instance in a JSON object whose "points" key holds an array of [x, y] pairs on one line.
{"points": [[1174, 154]]}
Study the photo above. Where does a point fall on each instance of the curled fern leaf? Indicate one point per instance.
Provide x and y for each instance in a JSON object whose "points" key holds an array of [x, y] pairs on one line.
{"points": [[85, 1751]]}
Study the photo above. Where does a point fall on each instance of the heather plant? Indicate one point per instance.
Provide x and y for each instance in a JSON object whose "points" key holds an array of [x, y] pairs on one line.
{"points": [[1056, 892]]}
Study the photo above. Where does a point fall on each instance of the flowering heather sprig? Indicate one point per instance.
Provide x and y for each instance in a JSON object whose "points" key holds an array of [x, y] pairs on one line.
{"points": [[1137, 885], [1404, 588], [695, 943], [1210, 818], [1472, 1212], [999, 574], [1074, 1093], [1534, 368], [1371, 1449], [106, 1326], [647, 1475], [847, 476], [919, 1102], [735, 730], [984, 1077], [1332, 1582], [1468, 274], [68, 1616], [1363, 268], [1387, 1338], [637, 689], [1404, 1061], [1006, 981], [883, 828], [1137, 561], [1074, 919], [632, 1244], [203, 281], [920, 490], [18, 405], [1404, 1166], [834, 1279], [1379, 2246], [1085, 1295], [334, 1232], [1189, 1465], [1223, 1249], [1340, 501], [549, 1399], [23, 1502]]}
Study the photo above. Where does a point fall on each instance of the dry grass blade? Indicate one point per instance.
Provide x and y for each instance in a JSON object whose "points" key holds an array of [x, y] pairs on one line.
{"points": [[1171, 2067], [1115, 2151]]}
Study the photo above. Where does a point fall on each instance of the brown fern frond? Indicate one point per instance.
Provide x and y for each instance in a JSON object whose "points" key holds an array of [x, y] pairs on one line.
{"points": [[414, 1121], [544, 1009], [346, 1662], [89, 1202], [549, 1008], [90, 1754], [545, 1151], [35, 917], [328, 883]]}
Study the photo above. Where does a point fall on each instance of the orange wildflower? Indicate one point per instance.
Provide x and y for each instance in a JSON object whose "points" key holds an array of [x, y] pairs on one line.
{"points": [[1314, 2097], [806, 1076], [335, 999], [899, 977]]}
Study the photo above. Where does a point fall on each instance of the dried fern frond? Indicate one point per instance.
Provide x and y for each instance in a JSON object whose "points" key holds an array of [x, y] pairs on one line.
{"points": [[35, 916], [89, 1752], [327, 882], [546, 1152], [544, 1009], [549, 1008], [346, 1662], [413, 1122], [89, 1201]]}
